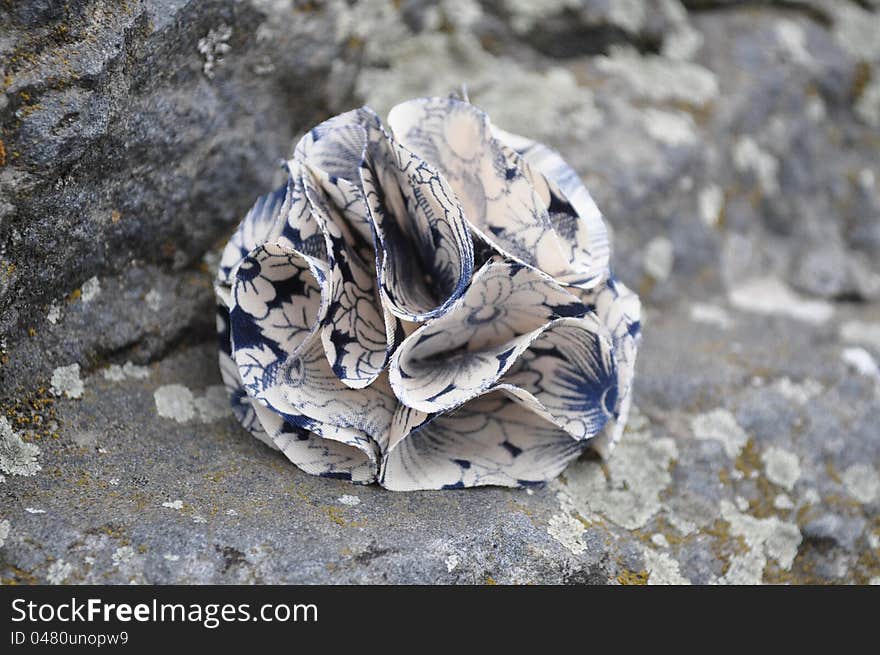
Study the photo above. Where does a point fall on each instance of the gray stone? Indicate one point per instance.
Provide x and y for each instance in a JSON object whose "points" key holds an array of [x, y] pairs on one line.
{"points": [[135, 136]]}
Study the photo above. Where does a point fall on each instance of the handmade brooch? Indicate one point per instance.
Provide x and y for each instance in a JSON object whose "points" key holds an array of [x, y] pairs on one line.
{"points": [[426, 304]]}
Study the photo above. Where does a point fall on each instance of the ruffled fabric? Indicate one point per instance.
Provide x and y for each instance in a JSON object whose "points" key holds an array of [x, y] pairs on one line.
{"points": [[427, 305]]}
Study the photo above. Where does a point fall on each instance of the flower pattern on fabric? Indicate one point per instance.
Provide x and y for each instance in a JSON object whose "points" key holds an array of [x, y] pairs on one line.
{"points": [[426, 305]]}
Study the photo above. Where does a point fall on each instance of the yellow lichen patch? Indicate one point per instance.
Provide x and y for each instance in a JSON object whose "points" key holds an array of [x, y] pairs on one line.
{"points": [[2, 153], [115, 216], [831, 471], [19, 576], [867, 566], [524, 510], [804, 514], [113, 531], [861, 79], [803, 570], [845, 504], [219, 476], [33, 414], [585, 522], [663, 527], [724, 545], [763, 506], [646, 285], [627, 577], [335, 514], [490, 581], [749, 459]]}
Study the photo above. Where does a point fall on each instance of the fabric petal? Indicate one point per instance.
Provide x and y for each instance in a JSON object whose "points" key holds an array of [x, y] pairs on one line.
{"points": [[424, 248], [520, 211], [491, 440]]}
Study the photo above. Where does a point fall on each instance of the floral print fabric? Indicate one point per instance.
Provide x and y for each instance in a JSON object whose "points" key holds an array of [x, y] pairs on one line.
{"points": [[426, 305]]}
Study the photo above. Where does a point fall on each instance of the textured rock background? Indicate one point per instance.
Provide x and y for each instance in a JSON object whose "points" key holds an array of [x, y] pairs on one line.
{"points": [[733, 147]]}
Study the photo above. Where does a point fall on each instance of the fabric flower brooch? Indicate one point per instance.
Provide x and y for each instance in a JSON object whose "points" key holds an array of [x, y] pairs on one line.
{"points": [[426, 305]]}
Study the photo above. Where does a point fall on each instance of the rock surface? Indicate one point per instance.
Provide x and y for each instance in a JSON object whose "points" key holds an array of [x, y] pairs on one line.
{"points": [[732, 146]]}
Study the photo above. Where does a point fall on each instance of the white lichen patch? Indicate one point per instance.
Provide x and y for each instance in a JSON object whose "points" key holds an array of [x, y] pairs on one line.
{"points": [[816, 109], [5, 529], [114, 373], [793, 39], [17, 457], [213, 404], [861, 332], [662, 80], [861, 361], [34, 510], [198, 518], [749, 157], [797, 392], [637, 474], [771, 296], [781, 467], [766, 538], [168, 557], [173, 504], [90, 289], [710, 203], [669, 128], [117, 373], [58, 572], [856, 29], [175, 401], [683, 43], [721, 426], [659, 540], [451, 562], [710, 315], [54, 313], [113, 482], [213, 46], [745, 569], [783, 502], [153, 299], [66, 382], [350, 500], [122, 555], [568, 531], [659, 258], [663, 569], [862, 482], [867, 107]]}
